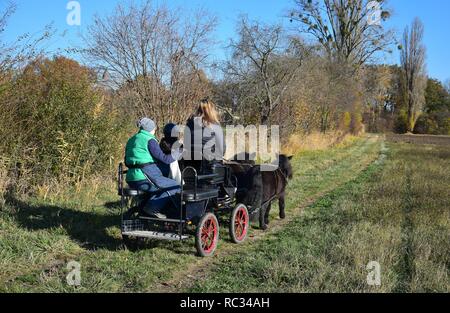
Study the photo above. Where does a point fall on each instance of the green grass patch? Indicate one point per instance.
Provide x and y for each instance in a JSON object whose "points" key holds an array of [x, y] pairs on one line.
{"points": [[38, 238], [395, 213]]}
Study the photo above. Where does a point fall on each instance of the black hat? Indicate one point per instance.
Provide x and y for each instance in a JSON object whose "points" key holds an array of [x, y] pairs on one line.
{"points": [[168, 129]]}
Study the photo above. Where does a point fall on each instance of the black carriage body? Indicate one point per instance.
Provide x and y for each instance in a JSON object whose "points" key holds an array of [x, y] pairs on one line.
{"points": [[213, 192]]}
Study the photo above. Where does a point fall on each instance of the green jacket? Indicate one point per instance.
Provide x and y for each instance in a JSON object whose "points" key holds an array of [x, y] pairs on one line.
{"points": [[136, 153]]}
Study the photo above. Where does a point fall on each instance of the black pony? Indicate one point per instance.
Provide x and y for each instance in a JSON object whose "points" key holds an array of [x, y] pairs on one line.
{"points": [[260, 187]]}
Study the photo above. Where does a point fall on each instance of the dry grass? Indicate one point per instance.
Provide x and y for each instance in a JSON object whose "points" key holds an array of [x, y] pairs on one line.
{"points": [[86, 191], [395, 213], [4, 181], [315, 142], [38, 238], [419, 139]]}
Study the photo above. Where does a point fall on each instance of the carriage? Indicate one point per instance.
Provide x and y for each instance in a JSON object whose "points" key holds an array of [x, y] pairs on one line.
{"points": [[206, 198]]}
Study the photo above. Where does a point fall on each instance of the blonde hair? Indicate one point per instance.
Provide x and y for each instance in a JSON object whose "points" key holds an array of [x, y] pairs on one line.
{"points": [[207, 111]]}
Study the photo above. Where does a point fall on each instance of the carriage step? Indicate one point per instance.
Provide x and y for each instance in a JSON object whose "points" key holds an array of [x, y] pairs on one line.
{"points": [[155, 235], [162, 220]]}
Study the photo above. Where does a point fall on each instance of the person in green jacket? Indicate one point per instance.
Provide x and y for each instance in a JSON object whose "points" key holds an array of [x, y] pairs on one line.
{"points": [[142, 153]]}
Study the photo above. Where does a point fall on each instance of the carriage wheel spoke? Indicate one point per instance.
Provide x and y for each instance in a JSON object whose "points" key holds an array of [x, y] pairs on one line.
{"points": [[240, 223], [208, 234]]}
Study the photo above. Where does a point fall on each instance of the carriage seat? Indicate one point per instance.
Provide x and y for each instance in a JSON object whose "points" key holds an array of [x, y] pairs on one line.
{"points": [[190, 194]]}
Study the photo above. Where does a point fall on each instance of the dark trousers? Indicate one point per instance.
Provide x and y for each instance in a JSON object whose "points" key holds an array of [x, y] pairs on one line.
{"points": [[163, 191]]}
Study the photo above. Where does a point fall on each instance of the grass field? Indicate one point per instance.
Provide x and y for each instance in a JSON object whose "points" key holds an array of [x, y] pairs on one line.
{"points": [[366, 200], [397, 213]]}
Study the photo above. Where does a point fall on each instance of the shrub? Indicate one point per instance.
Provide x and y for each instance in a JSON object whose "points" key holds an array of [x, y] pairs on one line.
{"points": [[436, 123], [346, 121], [57, 123]]}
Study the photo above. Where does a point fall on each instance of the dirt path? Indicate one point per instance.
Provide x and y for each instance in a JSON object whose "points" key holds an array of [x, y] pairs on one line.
{"points": [[348, 166]]}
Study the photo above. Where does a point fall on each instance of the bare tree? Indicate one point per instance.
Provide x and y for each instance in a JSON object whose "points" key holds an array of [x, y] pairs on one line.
{"points": [[377, 80], [414, 77], [313, 96], [342, 28], [26, 47], [153, 56], [6, 14], [5, 50], [264, 62]]}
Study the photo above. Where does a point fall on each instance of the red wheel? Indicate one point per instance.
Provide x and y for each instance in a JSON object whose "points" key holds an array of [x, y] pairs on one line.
{"points": [[239, 224], [207, 235]]}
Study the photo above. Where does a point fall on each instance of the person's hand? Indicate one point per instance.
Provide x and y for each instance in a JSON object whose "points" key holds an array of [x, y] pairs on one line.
{"points": [[177, 153], [179, 145]]}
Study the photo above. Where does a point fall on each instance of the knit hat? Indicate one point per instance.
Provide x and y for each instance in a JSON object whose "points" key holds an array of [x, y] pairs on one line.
{"points": [[146, 124]]}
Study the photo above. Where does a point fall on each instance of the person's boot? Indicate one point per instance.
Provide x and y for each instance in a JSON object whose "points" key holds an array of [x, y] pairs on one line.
{"points": [[158, 215], [153, 214], [129, 214]]}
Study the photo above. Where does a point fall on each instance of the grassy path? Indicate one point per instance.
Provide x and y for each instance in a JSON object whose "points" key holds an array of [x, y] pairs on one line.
{"points": [[316, 174], [396, 213], [37, 240]]}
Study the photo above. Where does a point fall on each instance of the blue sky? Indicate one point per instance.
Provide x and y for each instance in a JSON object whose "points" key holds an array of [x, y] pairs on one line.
{"points": [[33, 15]]}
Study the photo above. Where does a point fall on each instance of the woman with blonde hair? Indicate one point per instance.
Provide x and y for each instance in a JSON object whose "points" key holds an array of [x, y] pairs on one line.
{"points": [[207, 142], [208, 112]]}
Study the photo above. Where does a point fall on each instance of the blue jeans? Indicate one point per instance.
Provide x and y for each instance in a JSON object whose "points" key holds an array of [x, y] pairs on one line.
{"points": [[162, 190]]}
